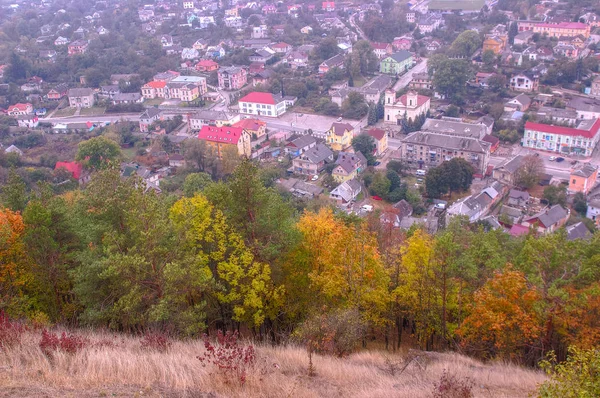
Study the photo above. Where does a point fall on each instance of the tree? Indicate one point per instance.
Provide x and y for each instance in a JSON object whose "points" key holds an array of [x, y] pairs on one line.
{"points": [[366, 145], [529, 172], [497, 82], [17, 69], [449, 75], [14, 193], [580, 204], [98, 152], [454, 175], [354, 107], [466, 43], [488, 58], [195, 182], [576, 377], [380, 185], [326, 48], [513, 30], [555, 195]]}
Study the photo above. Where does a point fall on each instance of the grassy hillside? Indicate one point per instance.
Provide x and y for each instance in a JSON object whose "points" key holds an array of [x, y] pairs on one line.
{"points": [[117, 365]]}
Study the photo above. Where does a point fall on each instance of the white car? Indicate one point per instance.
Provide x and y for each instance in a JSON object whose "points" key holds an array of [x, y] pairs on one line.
{"points": [[315, 177], [552, 158]]}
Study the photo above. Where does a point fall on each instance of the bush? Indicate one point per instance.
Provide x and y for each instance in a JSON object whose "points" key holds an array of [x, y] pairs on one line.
{"points": [[156, 342], [230, 359], [11, 331], [450, 386], [577, 377], [67, 342]]}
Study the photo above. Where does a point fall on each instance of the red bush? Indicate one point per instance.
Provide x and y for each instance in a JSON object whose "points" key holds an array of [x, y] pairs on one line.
{"points": [[11, 331], [156, 342], [67, 342], [228, 356], [451, 386]]}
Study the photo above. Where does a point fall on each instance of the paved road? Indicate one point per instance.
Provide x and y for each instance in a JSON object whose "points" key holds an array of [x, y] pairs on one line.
{"points": [[352, 21], [407, 77]]}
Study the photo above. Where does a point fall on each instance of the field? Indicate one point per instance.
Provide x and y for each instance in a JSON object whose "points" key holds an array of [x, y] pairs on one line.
{"points": [[117, 366], [466, 5], [94, 111]]}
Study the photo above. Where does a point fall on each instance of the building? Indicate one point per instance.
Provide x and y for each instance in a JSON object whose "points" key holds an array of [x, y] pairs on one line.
{"points": [[28, 121], [593, 210], [312, 161], [382, 50], [495, 44], [570, 29], [346, 192], [300, 145], [221, 137], [348, 166], [397, 63], [524, 82], [430, 149], [595, 90], [61, 41], [583, 179], [337, 61], [149, 116], [476, 206], [255, 127], [77, 47], [548, 220], [408, 107], [154, 89], [74, 168], [421, 81], [232, 78], [81, 97], [207, 65], [585, 107], [127, 98], [20, 109], [518, 198], [262, 104], [506, 172], [381, 140], [211, 118], [339, 136], [519, 103], [564, 140], [578, 231]]}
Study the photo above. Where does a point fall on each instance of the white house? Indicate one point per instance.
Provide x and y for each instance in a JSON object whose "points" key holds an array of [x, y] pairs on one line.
{"points": [[263, 104]]}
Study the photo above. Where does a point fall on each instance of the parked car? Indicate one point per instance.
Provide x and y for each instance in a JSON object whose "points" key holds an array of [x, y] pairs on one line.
{"points": [[376, 163], [375, 197], [552, 158], [339, 119], [574, 162], [315, 177], [559, 159]]}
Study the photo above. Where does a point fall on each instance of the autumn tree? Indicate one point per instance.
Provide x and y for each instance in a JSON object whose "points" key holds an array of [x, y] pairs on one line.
{"points": [[529, 173], [98, 152]]}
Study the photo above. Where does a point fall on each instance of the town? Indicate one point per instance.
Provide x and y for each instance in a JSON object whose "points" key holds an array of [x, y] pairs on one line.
{"points": [[362, 104]]}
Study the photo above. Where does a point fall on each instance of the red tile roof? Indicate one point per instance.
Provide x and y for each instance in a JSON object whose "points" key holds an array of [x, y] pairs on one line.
{"points": [[19, 106], [378, 134], [548, 128], [379, 46], [207, 63], [249, 124], [259, 98], [280, 45], [155, 84], [564, 25], [226, 135], [421, 99], [72, 167]]}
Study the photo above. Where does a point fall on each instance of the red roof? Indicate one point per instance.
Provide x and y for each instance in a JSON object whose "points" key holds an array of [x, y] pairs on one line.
{"points": [[249, 124], [564, 25], [226, 135], [379, 46], [548, 128], [280, 45], [155, 84], [72, 167], [518, 230], [378, 134], [21, 107], [207, 63], [259, 98], [421, 99]]}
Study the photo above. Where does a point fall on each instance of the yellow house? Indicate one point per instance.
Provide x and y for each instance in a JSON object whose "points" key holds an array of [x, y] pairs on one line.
{"points": [[348, 165], [381, 140], [339, 136], [221, 137]]}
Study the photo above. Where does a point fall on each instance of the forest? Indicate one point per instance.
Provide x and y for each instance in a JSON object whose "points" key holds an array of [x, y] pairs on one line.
{"points": [[237, 255]]}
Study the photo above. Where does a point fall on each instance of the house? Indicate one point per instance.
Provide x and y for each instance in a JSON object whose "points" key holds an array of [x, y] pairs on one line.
{"points": [[382, 50], [397, 63], [189, 53], [346, 192], [262, 104], [348, 166], [307, 30], [300, 145], [211, 118], [593, 210], [476, 206], [328, 6], [421, 81], [519, 103], [518, 198], [339, 136], [595, 89], [281, 47], [566, 50], [456, 127], [149, 116], [493, 141], [557, 115], [207, 65], [109, 90], [81, 97], [408, 107], [154, 89], [312, 161], [58, 92], [524, 82], [578, 231], [232, 78], [297, 59], [29, 121], [74, 168], [506, 171], [166, 41], [221, 137], [261, 56], [495, 43], [402, 43], [102, 30], [14, 149], [127, 98], [176, 160], [583, 178], [581, 140], [61, 41], [381, 140], [570, 29], [586, 107], [77, 47], [337, 61], [548, 220], [20, 109], [255, 127], [188, 5], [523, 38]]}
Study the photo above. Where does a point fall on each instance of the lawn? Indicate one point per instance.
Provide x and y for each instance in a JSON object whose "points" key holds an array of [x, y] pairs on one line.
{"points": [[152, 102], [93, 111], [65, 112], [129, 153]]}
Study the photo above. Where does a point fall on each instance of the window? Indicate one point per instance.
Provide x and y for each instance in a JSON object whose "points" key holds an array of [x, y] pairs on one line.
{"points": [[574, 181]]}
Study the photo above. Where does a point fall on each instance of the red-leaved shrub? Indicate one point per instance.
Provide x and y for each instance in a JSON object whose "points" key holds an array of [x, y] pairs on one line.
{"points": [[11, 331], [451, 386], [67, 342], [156, 342], [230, 358]]}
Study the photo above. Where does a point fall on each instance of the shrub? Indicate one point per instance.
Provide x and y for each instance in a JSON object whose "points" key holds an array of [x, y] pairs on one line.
{"points": [[451, 386], [578, 376], [230, 359], [11, 331], [67, 342], [156, 342]]}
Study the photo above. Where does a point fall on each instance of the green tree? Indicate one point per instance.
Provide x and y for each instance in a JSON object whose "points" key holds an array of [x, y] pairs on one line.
{"points": [[450, 75], [195, 182], [577, 377], [98, 152], [513, 30], [529, 172], [466, 43], [580, 204], [555, 195], [380, 185], [366, 145], [355, 107]]}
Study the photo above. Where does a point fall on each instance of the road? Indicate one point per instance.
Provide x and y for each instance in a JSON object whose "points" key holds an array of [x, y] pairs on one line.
{"points": [[405, 79], [352, 21]]}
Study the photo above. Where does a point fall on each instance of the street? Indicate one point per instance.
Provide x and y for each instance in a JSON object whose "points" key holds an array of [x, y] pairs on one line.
{"points": [[405, 79]]}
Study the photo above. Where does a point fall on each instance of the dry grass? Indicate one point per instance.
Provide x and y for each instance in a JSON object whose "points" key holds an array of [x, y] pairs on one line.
{"points": [[126, 370]]}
